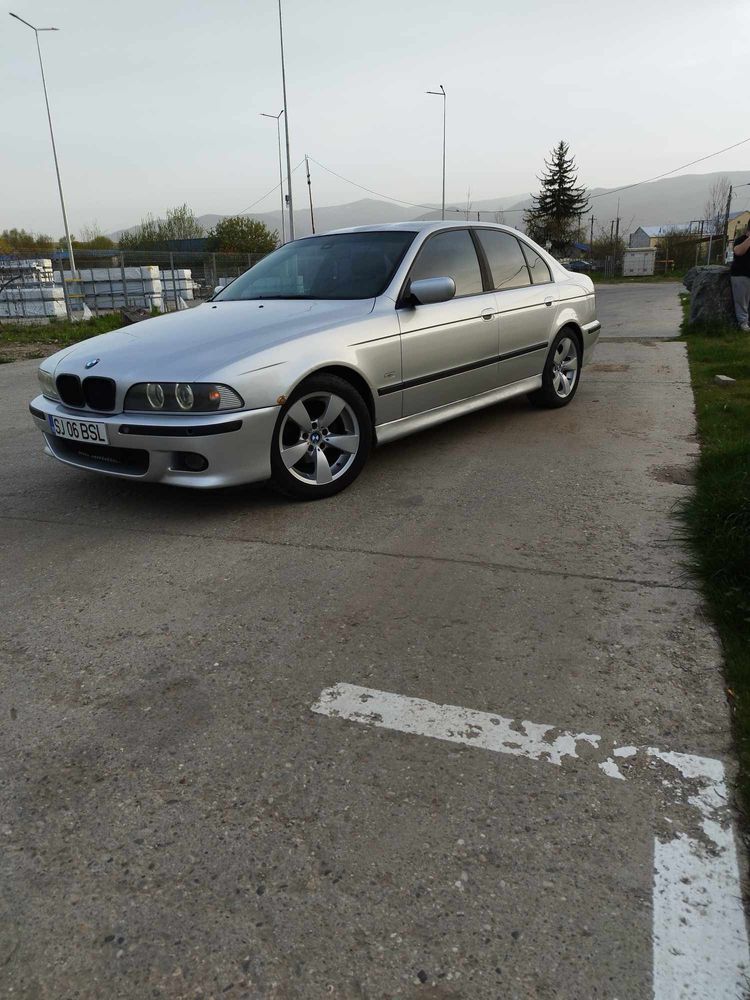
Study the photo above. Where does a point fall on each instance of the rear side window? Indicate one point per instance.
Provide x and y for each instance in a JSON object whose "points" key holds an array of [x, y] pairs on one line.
{"points": [[450, 255], [507, 262], [540, 272]]}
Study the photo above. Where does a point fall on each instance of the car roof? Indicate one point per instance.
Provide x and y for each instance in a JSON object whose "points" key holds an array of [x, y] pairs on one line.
{"points": [[418, 226]]}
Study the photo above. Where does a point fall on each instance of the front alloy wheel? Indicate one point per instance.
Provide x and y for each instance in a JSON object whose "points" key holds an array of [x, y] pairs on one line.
{"points": [[322, 439]]}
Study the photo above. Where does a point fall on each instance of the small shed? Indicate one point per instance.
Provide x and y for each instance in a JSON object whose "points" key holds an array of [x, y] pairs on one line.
{"points": [[638, 261]]}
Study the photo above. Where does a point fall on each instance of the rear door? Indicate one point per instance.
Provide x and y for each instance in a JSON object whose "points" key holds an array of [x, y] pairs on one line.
{"points": [[526, 303], [449, 349]]}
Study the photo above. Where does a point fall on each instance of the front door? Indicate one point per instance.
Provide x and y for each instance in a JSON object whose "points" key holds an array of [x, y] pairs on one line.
{"points": [[449, 349]]}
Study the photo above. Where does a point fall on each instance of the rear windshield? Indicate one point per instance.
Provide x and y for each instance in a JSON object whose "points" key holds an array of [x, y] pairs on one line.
{"points": [[345, 266]]}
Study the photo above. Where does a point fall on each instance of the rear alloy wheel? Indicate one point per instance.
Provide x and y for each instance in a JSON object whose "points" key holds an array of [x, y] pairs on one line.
{"points": [[322, 439], [561, 372]]}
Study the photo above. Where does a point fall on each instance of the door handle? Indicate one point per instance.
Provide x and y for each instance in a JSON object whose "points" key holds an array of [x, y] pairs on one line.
{"points": [[487, 313], [549, 300]]}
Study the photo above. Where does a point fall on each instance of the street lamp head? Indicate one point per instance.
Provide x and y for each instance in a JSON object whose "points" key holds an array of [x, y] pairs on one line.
{"points": [[30, 25]]}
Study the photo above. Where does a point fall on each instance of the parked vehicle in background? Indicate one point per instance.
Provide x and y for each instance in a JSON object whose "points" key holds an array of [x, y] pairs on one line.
{"points": [[326, 347], [580, 266]]}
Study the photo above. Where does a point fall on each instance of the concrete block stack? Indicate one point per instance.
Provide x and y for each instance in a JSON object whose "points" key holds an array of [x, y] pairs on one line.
{"points": [[33, 302], [101, 288], [182, 278]]}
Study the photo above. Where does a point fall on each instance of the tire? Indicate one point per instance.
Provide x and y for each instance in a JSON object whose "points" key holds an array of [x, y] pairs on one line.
{"points": [[310, 459], [562, 372]]}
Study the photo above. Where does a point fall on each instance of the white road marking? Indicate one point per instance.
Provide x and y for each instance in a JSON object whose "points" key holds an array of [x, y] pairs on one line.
{"points": [[700, 942], [449, 722]]}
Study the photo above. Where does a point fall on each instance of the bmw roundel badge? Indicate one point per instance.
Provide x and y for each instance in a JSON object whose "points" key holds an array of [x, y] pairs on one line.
{"points": [[91, 362]]}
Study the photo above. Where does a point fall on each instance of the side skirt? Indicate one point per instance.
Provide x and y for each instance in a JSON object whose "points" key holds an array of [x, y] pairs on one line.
{"points": [[395, 429]]}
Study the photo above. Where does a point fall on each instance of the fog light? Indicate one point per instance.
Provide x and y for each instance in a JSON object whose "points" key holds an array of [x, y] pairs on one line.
{"points": [[192, 461]]}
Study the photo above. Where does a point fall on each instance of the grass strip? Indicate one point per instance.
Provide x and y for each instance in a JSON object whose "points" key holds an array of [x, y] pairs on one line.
{"points": [[22, 341], [717, 516]]}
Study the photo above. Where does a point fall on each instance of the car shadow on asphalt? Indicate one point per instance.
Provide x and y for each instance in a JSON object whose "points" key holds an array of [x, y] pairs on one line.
{"points": [[389, 464]]}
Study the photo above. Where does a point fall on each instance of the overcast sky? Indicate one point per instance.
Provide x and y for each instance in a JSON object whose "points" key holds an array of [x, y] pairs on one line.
{"points": [[155, 104]]}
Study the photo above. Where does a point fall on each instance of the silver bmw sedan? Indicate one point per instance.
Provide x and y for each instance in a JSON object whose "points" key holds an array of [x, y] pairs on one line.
{"points": [[330, 345]]}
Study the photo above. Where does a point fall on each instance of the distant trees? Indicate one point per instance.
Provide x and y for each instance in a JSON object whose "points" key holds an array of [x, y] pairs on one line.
{"points": [[239, 234], [714, 211], [21, 239], [680, 247], [605, 245], [91, 238], [180, 224], [556, 210]]}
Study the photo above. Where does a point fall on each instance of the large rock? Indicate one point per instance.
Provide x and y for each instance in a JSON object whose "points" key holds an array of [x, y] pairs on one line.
{"points": [[711, 299]]}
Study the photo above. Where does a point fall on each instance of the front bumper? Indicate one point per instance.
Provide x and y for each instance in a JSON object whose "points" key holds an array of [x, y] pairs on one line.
{"points": [[236, 444]]}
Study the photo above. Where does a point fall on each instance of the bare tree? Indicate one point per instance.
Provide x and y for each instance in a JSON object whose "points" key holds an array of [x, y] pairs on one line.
{"points": [[716, 204], [90, 232], [468, 203]]}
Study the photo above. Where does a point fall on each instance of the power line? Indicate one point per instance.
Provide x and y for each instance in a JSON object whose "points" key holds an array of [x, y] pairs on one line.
{"points": [[487, 211], [269, 193], [624, 187], [684, 166], [378, 194]]}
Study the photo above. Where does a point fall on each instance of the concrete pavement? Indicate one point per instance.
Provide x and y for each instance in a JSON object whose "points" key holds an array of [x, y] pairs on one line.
{"points": [[178, 822], [640, 309]]}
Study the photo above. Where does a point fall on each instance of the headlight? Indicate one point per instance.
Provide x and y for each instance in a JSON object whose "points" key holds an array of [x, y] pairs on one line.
{"points": [[184, 395], [181, 397], [47, 384], [154, 395]]}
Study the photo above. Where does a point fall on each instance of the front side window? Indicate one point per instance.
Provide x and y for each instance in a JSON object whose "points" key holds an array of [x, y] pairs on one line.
{"points": [[540, 272], [343, 266], [507, 262], [450, 255]]}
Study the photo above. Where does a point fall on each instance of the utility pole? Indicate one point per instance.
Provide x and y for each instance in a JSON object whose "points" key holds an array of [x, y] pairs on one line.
{"points": [[281, 169], [57, 166], [286, 131], [616, 246], [441, 93], [591, 240], [309, 191], [726, 222]]}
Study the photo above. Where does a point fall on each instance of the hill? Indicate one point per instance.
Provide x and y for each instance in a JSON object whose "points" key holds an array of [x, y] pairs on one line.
{"points": [[671, 200]]}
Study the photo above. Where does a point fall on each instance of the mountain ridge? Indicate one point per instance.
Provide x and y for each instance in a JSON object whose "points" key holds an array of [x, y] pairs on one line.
{"points": [[667, 201]]}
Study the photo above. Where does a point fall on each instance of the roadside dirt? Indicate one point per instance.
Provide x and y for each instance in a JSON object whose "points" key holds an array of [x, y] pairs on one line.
{"points": [[25, 352]]}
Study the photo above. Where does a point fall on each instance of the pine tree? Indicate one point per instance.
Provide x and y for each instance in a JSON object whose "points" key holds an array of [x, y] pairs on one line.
{"points": [[556, 210]]}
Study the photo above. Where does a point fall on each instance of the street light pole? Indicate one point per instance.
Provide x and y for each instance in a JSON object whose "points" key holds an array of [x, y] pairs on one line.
{"points": [[286, 130], [441, 93], [281, 169], [54, 152]]}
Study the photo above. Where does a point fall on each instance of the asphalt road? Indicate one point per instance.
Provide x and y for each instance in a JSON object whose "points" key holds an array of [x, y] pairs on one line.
{"points": [[639, 309], [176, 821]]}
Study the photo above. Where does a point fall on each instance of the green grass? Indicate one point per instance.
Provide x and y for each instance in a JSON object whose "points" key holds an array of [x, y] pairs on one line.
{"points": [[60, 332], [19, 341], [717, 517]]}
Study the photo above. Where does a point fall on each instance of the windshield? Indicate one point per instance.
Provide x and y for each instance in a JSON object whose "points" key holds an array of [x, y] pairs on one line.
{"points": [[346, 266]]}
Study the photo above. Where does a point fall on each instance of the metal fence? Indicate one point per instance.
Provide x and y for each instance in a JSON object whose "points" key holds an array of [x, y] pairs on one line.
{"points": [[39, 284]]}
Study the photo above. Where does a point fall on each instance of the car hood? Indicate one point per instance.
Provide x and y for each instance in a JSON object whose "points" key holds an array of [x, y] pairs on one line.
{"points": [[193, 344]]}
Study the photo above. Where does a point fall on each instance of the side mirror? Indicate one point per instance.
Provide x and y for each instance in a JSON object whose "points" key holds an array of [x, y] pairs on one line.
{"points": [[427, 291], [218, 288]]}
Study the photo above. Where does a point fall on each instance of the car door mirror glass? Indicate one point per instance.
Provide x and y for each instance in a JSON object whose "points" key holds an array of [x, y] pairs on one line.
{"points": [[427, 291]]}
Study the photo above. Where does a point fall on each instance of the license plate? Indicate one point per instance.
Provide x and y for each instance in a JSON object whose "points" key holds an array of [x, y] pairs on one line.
{"points": [[79, 430]]}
